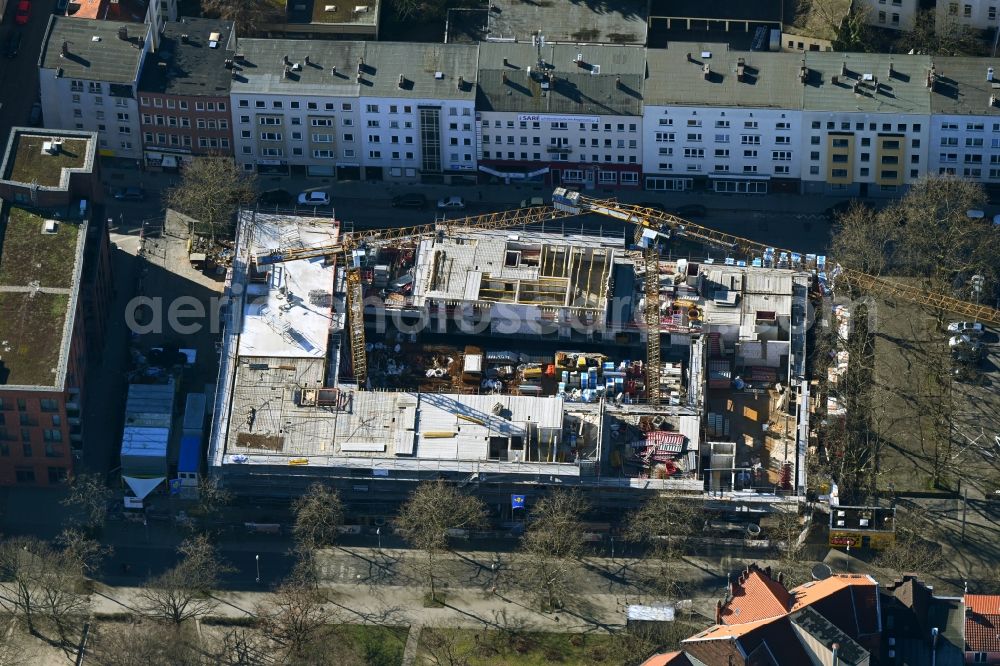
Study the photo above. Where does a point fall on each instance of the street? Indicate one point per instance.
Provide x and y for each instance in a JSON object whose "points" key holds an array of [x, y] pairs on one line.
{"points": [[19, 75]]}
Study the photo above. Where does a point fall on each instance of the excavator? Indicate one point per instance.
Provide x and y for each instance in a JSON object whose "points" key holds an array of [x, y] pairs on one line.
{"points": [[651, 226]]}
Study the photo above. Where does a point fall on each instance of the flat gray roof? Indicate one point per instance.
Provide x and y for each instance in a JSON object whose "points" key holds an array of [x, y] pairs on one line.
{"points": [[904, 92], [608, 80], [770, 80], [334, 65], [95, 52], [961, 87], [610, 22]]}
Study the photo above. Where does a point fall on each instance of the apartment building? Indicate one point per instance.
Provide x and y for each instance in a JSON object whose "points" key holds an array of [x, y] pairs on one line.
{"points": [[184, 93], [729, 121], [55, 287], [965, 128], [892, 14], [561, 113], [865, 123], [973, 14], [88, 73], [372, 110]]}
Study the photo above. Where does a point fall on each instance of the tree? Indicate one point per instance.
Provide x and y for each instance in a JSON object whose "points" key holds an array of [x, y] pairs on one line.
{"points": [[319, 513], [250, 17], [915, 548], [551, 544], [445, 647], [41, 584], [184, 592], [431, 510], [86, 553], [947, 37], [665, 524], [90, 495], [138, 644], [210, 191], [296, 617], [212, 496]]}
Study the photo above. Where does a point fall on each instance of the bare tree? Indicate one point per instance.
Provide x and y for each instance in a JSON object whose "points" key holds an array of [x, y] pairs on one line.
{"points": [[431, 510], [210, 191], [665, 524], [445, 648], [551, 545], [89, 495], [212, 496], [297, 618], [915, 549], [184, 592], [138, 644], [947, 37], [250, 17], [42, 584], [319, 513], [244, 646], [85, 552]]}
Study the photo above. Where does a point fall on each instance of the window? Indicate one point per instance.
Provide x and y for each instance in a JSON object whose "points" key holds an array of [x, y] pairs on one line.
{"points": [[814, 156], [750, 153], [889, 175], [864, 172], [949, 141], [839, 158], [840, 143], [991, 14], [259, 104], [949, 126], [322, 138], [967, 11], [814, 170], [325, 154], [749, 124], [695, 153], [749, 168], [183, 106], [375, 154], [269, 120], [973, 143], [295, 121], [629, 177], [781, 156], [865, 141], [722, 152], [722, 138], [881, 17], [782, 126], [694, 137], [245, 134], [24, 475], [781, 169], [272, 152], [979, 658], [783, 140], [663, 122], [607, 177], [839, 173], [721, 124], [692, 122], [270, 136], [661, 137], [815, 124], [721, 168], [26, 449], [371, 108], [750, 139], [123, 118]]}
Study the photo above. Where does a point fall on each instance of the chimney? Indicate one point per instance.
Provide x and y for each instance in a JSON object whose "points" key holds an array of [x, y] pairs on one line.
{"points": [[989, 74], [184, 39], [123, 33], [65, 50], [890, 72], [461, 83], [843, 68], [803, 74], [767, 571], [836, 648], [931, 77], [618, 82], [741, 65], [333, 70], [706, 71], [229, 63], [781, 577], [718, 611], [993, 100], [402, 81], [689, 58], [504, 76], [306, 59], [834, 79], [506, 63], [288, 72], [285, 61]]}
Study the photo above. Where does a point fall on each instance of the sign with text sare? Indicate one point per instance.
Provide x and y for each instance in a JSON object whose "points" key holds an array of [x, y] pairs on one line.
{"points": [[553, 118]]}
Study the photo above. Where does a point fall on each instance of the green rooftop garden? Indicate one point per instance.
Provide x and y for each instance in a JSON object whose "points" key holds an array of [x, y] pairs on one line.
{"points": [[31, 165], [31, 333], [28, 255]]}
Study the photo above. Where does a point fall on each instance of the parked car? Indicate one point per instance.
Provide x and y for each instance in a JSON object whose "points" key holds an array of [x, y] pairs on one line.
{"points": [[969, 328], [35, 115], [274, 197], [314, 198], [411, 200], [130, 194], [453, 203], [23, 13], [691, 210], [13, 44], [533, 201]]}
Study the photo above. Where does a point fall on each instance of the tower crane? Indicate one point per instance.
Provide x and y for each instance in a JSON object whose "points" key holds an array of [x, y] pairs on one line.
{"points": [[349, 242], [660, 222]]}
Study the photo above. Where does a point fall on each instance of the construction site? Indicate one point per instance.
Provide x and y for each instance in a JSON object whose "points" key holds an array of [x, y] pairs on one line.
{"points": [[505, 355]]}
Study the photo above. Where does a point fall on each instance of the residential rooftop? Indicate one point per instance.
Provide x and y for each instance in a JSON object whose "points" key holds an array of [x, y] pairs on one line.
{"points": [[613, 22], [966, 86], [30, 255], [30, 163], [352, 68], [561, 79], [766, 80], [95, 50], [863, 82], [191, 59], [32, 327], [334, 13]]}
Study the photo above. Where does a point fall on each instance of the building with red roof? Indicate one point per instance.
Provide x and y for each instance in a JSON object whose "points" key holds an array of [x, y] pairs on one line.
{"points": [[982, 629]]}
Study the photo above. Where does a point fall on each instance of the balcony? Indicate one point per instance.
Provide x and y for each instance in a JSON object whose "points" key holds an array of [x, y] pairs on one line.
{"points": [[559, 150]]}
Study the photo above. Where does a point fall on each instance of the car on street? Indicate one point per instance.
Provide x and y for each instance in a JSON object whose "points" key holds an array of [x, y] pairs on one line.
{"points": [[314, 198], [275, 197], [413, 200], [13, 44], [23, 13], [130, 194], [969, 328], [691, 210], [451, 203], [35, 115]]}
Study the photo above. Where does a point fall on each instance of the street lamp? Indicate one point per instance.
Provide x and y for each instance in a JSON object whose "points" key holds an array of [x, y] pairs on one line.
{"points": [[257, 559], [612, 549], [378, 533]]}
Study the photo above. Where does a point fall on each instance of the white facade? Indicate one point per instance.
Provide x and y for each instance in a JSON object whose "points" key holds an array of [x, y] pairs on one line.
{"points": [[967, 146], [975, 14], [613, 142], [894, 14], [738, 149]]}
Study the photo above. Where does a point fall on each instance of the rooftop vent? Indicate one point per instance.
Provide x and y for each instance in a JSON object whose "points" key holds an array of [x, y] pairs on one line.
{"points": [[59, 72], [803, 74], [213, 40], [993, 100], [65, 50], [689, 58], [333, 70], [402, 81], [228, 63], [843, 68], [306, 60], [330, 8], [706, 71], [618, 82], [52, 147], [506, 62], [361, 9], [503, 75], [285, 60], [931, 77], [461, 83], [296, 67], [438, 75], [287, 72], [185, 39], [989, 73], [95, 38], [50, 227], [595, 70], [741, 67], [890, 72]]}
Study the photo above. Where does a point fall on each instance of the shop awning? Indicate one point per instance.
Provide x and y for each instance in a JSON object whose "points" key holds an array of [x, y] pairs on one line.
{"points": [[142, 487]]}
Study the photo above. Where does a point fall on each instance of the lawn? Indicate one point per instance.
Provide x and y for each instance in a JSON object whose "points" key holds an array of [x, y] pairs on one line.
{"points": [[31, 329], [28, 255], [32, 166], [495, 648]]}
